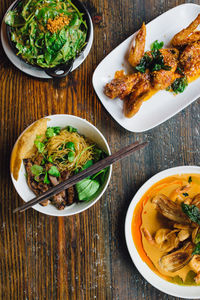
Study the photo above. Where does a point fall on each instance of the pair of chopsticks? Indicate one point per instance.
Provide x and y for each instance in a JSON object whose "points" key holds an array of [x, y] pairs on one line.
{"points": [[109, 160]]}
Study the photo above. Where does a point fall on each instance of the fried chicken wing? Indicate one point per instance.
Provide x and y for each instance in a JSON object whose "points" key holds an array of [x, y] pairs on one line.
{"points": [[133, 103], [137, 51], [163, 78], [187, 35], [190, 60], [122, 86]]}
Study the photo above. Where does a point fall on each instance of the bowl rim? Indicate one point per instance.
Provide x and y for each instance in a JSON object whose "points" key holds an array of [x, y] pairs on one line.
{"points": [[64, 212], [186, 292], [68, 63]]}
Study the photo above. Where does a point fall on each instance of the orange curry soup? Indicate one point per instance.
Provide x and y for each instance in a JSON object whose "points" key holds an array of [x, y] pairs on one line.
{"points": [[146, 215]]}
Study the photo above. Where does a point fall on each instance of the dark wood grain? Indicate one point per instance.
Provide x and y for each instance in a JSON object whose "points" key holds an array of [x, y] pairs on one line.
{"points": [[83, 256]]}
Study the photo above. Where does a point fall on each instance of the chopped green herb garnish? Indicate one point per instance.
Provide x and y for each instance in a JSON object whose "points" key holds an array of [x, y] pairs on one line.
{"points": [[40, 146], [71, 129], [43, 162], [180, 71], [144, 63], [37, 171], [185, 194], [50, 159], [179, 85], [52, 131], [70, 145], [46, 179], [156, 45], [190, 179], [154, 63], [71, 156], [53, 171], [192, 212], [88, 164]]}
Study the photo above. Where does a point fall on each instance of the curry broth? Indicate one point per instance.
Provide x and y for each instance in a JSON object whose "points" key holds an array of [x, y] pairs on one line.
{"points": [[145, 215]]}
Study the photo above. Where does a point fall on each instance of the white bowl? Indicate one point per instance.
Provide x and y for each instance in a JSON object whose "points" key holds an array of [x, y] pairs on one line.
{"points": [[189, 292], [84, 128]]}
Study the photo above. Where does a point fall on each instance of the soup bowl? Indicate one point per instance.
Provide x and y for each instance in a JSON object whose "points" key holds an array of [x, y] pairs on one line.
{"points": [[184, 291]]}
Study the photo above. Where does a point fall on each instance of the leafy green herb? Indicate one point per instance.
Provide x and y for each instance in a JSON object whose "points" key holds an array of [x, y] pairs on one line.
{"points": [[50, 159], [43, 162], [144, 63], [190, 179], [154, 63], [196, 249], [197, 238], [71, 129], [40, 146], [53, 171], [88, 164], [98, 154], [179, 85], [185, 194], [192, 212], [156, 45], [37, 171], [52, 131], [86, 189], [180, 71], [70, 145], [46, 179], [71, 156], [101, 174]]}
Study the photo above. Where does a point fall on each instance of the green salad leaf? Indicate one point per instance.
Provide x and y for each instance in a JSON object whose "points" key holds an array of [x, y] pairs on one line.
{"points": [[43, 44]]}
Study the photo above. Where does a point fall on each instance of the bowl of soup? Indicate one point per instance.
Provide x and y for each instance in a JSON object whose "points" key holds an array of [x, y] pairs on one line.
{"points": [[162, 230]]}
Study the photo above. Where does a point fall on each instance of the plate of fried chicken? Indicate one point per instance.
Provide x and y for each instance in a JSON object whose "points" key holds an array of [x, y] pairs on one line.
{"points": [[154, 73]]}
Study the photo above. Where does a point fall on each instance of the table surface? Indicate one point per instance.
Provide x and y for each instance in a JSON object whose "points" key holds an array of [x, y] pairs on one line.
{"points": [[84, 256]]}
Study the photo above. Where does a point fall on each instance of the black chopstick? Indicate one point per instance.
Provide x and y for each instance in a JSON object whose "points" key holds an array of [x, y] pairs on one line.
{"points": [[109, 160]]}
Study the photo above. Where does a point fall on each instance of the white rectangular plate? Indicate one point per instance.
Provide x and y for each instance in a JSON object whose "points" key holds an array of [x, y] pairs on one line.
{"points": [[162, 105]]}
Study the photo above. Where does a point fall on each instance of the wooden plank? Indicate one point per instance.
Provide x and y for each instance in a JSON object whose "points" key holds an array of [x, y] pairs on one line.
{"points": [[83, 256]]}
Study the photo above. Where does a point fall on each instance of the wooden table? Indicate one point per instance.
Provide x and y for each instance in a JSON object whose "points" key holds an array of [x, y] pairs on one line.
{"points": [[83, 256]]}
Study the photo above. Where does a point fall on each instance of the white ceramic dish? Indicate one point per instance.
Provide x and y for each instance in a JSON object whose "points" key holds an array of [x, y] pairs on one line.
{"points": [[162, 105], [189, 292], [34, 71], [84, 128]]}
